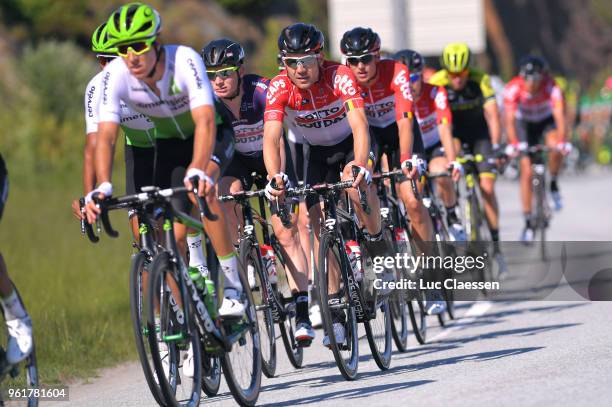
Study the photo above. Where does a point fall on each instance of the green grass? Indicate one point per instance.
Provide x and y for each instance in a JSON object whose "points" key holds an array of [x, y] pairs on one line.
{"points": [[76, 292]]}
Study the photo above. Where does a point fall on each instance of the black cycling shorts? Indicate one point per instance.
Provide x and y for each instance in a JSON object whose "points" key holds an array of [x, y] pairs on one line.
{"points": [[224, 147], [483, 147], [297, 157], [4, 185], [533, 132], [326, 163], [139, 168], [243, 166]]}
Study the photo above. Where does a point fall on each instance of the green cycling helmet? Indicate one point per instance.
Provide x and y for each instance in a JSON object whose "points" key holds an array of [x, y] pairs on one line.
{"points": [[100, 42], [456, 57], [133, 22]]}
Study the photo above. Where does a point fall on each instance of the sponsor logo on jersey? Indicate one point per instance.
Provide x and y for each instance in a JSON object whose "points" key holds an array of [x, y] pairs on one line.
{"points": [[376, 110], [90, 94], [105, 88], [345, 85], [196, 76], [321, 118], [402, 81]]}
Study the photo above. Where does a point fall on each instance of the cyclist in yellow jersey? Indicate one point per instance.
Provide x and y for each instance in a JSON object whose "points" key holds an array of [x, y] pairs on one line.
{"points": [[476, 123]]}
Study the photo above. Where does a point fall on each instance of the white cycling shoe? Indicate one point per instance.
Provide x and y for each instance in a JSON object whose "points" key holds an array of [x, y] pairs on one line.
{"points": [[434, 303], [527, 236], [251, 276], [20, 342], [314, 313], [231, 307], [304, 332], [557, 201], [339, 334], [188, 367], [457, 232]]}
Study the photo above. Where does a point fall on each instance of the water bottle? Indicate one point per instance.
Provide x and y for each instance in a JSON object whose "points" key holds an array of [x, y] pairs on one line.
{"points": [[206, 287], [269, 260], [354, 254]]}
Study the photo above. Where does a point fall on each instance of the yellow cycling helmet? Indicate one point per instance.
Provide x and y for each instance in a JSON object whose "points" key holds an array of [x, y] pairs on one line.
{"points": [[456, 57]]}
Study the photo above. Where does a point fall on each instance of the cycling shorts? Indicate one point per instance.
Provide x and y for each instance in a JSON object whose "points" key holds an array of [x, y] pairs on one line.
{"points": [[487, 167], [533, 132], [139, 168], [326, 163], [243, 166], [297, 157], [4, 185]]}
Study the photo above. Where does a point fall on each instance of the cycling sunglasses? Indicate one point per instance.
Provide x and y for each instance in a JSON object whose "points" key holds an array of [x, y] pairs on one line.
{"points": [[306, 61], [461, 74], [366, 59], [105, 59], [221, 73], [532, 77], [415, 77], [137, 48]]}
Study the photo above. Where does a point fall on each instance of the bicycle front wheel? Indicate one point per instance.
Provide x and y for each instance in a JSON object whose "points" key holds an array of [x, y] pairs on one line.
{"points": [[172, 333], [251, 259], [138, 309], [242, 365], [345, 353]]}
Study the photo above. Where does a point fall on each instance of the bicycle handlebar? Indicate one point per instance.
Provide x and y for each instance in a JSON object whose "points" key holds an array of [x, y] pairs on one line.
{"points": [[363, 199]]}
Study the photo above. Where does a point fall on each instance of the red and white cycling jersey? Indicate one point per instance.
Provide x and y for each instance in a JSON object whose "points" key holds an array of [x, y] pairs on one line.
{"points": [[528, 107], [317, 114], [432, 109], [388, 99]]}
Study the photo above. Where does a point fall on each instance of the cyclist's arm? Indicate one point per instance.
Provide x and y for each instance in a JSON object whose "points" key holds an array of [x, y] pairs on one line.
{"points": [[273, 132], [511, 96], [361, 135], [558, 111], [89, 170], [491, 113], [446, 138], [406, 136], [204, 136], [105, 150], [510, 122]]}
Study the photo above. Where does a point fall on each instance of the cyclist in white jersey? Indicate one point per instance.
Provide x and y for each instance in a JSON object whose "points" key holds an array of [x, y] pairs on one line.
{"points": [[168, 85], [138, 129]]}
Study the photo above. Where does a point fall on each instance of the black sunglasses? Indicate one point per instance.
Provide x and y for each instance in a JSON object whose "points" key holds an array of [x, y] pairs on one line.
{"points": [[366, 59]]}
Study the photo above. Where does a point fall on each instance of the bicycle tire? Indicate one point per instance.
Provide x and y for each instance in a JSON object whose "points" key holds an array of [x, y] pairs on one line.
{"points": [[348, 368], [381, 355], [250, 256], [163, 269], [418, 317], [399, 321], [287, 326], [541, 216], [245, 395], [139, 324], [211, 374]]}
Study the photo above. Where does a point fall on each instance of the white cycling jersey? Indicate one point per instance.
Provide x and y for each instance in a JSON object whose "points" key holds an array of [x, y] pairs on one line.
{"points": [[183, 87], [139, 130]]}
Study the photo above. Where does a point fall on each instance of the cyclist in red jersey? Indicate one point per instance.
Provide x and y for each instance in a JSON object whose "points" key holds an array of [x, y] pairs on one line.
{"points": [[384, 86], [434, 116], [534, 113], [319, 102]]}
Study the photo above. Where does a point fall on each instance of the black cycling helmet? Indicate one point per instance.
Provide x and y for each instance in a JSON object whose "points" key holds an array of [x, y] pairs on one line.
{"points": [[532, 65], [412, 59], [222, 52], [359, 41], [300, 38]]}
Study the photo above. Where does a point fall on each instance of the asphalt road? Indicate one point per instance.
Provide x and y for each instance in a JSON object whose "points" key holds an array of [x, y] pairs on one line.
{"points": [[497, 353]]}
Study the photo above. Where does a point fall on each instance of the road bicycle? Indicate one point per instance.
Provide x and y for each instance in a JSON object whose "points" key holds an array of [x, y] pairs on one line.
{"points": [[354, 301]]}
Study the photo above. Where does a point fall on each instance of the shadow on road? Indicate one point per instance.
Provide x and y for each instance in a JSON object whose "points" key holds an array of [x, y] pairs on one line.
{"points": [[352, 393], [519, 332]]}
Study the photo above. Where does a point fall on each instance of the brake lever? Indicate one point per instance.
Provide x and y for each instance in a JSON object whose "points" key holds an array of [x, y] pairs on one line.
{"points": [[202, 206], [363, 200], [281, 209], [105, 220], [86, 228]]}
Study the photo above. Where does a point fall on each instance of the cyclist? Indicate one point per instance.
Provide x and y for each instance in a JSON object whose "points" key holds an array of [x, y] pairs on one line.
{"points": [[535, 112], [319, 101], [138, 129], [476, 124], [245, 97], [167, 84], [18, 323], [388, 107]]}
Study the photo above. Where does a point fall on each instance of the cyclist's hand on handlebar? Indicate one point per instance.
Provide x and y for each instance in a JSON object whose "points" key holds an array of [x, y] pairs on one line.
{"points": [[564, 147], [205, 183], [456, 170], [76, 210], [513, 149], [413, 167], [92, 210], [276, 186], [363, 175]]}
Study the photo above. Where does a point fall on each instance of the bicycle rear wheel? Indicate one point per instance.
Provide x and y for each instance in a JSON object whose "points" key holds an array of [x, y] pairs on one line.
{"points": [[418, 317], [399, 320], [378, 332], [173, 334], [242, 365], [139, 312], [211, 374], [251, 259], [346, 354]]}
